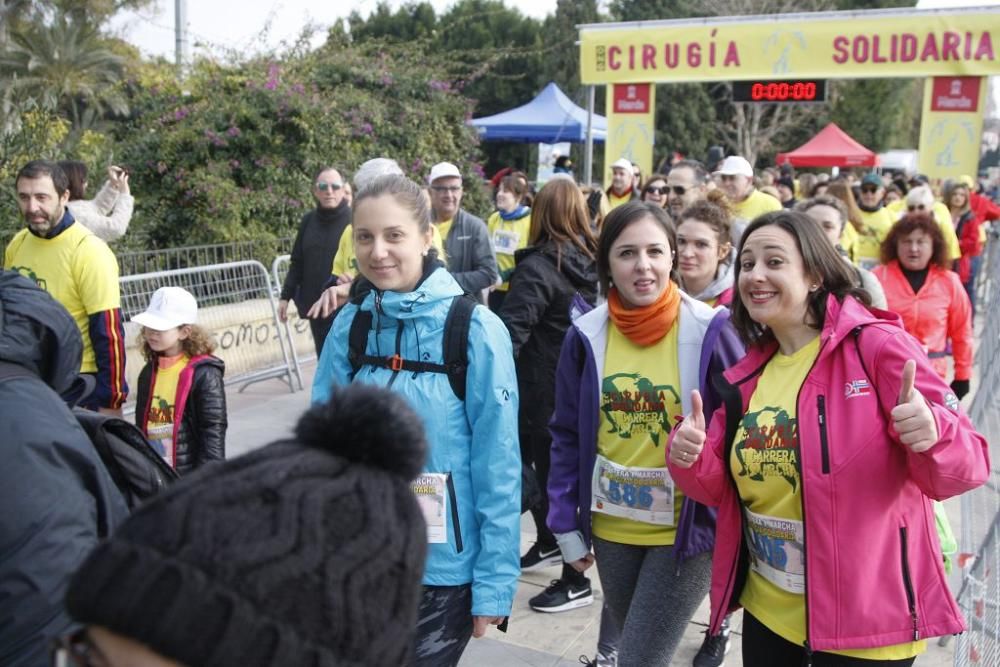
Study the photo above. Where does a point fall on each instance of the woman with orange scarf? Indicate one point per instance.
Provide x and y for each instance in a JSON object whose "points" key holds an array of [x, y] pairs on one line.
{"points": [[625, 374]]}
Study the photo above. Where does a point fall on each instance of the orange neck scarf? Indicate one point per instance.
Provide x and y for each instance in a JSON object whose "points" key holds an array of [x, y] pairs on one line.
{"points": [[648, 324]]}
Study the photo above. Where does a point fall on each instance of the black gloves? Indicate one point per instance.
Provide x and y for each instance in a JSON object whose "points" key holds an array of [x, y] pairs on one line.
{"points": [[960, 387]]}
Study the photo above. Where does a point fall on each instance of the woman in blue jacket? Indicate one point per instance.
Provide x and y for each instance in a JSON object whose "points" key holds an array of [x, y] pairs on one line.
{"points": [[470, 489]]}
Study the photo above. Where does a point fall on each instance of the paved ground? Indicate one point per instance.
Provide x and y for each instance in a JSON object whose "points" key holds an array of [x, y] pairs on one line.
{"points": [[266, 411]]}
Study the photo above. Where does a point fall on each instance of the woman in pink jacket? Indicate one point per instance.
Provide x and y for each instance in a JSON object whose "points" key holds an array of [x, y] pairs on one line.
{"points": [[834, 435]]}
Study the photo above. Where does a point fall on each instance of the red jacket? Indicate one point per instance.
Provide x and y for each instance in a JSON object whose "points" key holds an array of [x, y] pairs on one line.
{"points": [[967, 231], [939, 311], [983, 207], [873, 567]]}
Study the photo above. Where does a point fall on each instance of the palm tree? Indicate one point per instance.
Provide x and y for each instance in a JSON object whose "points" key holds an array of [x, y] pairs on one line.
{"points": [[66, 66]]}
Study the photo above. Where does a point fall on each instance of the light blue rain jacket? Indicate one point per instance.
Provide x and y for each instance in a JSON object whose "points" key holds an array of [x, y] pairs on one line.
{"points": [[475, 442]]}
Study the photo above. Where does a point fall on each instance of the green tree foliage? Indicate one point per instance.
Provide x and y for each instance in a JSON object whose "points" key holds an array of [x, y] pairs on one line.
{"points": [[65, 66], [234, 158], [879, 113]]}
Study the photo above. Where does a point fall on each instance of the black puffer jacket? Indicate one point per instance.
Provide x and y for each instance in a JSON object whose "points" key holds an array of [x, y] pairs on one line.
{"points": [[57, 497], [537, 307], [201, 436]]}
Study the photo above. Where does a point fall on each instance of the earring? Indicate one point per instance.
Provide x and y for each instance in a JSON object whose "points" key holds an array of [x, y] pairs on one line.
{"points": [[813, 287]]}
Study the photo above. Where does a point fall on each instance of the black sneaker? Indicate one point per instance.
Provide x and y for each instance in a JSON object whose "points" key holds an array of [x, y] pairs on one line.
{"points": [[536, 558], [714, 649], [562, 595]]}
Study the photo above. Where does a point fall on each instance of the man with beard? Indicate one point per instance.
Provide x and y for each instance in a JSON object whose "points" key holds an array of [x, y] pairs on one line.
{"points": [[77, 268], [315, 246]]}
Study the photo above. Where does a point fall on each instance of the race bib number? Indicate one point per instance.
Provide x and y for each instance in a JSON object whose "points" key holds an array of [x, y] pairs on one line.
{"points": [[640, 494], [431, 490], [777, 552], [505, 242], [161, 436]]}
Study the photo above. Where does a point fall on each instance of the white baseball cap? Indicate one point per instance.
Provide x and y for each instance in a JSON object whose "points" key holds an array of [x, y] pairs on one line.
{"points": [[735, 165], [622, 163], [444, 170], [170, 307]]}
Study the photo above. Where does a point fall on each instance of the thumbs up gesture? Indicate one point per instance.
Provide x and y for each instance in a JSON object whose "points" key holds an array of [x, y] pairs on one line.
{"points": [[912, 418], [690, 436]]}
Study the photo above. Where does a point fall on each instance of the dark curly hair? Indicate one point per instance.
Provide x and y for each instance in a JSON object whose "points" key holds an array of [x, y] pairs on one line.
{"points": [[912, 222], [819, 259]]}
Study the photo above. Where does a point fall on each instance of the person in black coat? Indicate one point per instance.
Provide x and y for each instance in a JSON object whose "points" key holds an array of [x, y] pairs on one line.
{"points": [[57, 497], [556, 268], [313, 251]]}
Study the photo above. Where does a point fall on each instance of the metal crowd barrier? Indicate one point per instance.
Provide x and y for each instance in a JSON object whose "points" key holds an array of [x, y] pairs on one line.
{"points": [[131, 262], [236, 304], [979, 546], [296, 327]]}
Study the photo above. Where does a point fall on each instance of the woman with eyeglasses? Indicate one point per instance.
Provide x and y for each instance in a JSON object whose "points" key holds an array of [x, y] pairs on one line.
{"points": [[927, 295], [967, 229], [825, 532], [625, 373], [655, 191]]}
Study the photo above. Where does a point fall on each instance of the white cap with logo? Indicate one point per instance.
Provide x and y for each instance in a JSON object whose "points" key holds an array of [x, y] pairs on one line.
{"points": [[735, 165], [170, 307], [444, 170]]}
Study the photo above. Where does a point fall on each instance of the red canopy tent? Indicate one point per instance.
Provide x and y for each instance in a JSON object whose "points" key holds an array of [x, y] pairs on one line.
{"points": [[832, 147]]}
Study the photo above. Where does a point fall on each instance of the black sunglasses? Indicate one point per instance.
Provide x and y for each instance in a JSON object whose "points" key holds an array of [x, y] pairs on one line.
{"points": [[869, 189], [679, 190], [918, 207], [323, 187]]}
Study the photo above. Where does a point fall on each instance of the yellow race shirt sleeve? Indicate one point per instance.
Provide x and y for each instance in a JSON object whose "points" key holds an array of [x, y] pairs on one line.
{"points": [[345, 261]]}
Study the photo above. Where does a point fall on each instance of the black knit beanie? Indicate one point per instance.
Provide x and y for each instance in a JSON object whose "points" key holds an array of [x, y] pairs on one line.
{"points": [[306, 552]]}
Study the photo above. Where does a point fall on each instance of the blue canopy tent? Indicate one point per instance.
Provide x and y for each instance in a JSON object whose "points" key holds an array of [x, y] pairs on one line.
{"points": [[549, 118]]}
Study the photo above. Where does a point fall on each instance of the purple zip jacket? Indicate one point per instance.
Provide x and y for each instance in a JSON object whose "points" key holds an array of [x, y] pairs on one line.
{"points": [[707, 345]]}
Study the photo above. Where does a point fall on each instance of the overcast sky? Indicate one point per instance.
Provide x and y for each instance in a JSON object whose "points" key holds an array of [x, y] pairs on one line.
{"points": [[252, 23], [255, 24]]}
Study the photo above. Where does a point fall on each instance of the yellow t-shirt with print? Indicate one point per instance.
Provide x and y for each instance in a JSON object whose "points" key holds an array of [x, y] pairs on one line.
{"points": [[640, 402], [77, 269], [507, 237], [867, 248], [162, 406], [346, 262], [758, 203], [765, 464]]}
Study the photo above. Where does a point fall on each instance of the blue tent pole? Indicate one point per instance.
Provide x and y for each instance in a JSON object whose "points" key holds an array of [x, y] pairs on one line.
{"points": [[588, 162]]}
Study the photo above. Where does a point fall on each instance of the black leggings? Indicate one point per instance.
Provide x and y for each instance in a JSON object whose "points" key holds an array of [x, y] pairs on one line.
{"points": [[763, 648]]}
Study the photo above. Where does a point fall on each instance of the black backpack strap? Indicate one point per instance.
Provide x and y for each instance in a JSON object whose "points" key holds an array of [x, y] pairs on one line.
{"points": [[456, 342], [357, 340]]}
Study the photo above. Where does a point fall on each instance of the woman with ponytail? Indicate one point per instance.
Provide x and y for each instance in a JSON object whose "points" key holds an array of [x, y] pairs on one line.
{"points": [[625, 374]]}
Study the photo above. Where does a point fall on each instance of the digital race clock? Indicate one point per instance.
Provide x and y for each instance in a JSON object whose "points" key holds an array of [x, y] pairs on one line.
{"points": [[813, 90]]}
